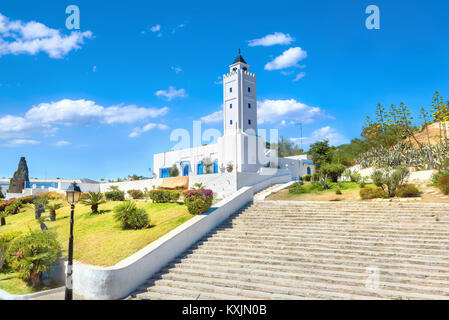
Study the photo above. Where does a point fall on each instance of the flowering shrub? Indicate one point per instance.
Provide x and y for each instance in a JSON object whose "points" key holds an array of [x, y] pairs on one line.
{"points": [[198, 200]]}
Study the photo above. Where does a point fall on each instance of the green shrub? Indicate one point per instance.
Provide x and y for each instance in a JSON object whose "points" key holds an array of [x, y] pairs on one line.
{"points": [[198, 200], [307, 177], [338, 191], [332, 170], [5, 240], [443, 184], [173, 171], [315, 176], [32, 255], [407, 191], [136, 194], [356, 177], [130, 216], [115, 195], [94, 199], [2, 196], [296, 188], [390, 179], [164, 196], [437, 176], [372, 193]]}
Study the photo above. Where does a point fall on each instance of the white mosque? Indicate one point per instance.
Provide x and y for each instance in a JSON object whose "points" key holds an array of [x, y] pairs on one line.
{"points": [[240, 149]]}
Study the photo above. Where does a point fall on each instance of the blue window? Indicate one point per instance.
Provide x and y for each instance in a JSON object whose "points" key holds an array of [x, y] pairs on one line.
{"points": [[216, 166], [185, 171], [164, 173], [249, 89], [230, 89], [230, 106], [249, 121], [200, 168], [249, 105], [230, 122]]}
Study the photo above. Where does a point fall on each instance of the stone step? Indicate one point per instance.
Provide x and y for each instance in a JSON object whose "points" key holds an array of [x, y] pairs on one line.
{"points": [[252, 290], [298, 279], [374, 257], [328, 233], [394, 272], [295, 287], [298, 261], [326, 246]]}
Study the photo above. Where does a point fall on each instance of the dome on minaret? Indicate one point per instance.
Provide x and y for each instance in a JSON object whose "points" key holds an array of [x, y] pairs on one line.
{"points": [[239, 59]]}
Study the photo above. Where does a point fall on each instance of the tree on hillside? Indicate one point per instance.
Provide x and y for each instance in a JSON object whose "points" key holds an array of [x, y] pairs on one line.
{"points": [[320, 152]]}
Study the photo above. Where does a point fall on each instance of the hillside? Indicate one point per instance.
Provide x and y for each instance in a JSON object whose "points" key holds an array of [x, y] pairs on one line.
{"points": [[434, 134]]}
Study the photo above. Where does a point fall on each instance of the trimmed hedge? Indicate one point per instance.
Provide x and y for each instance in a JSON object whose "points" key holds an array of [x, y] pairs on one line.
{"points": [[164, 196], [136, 194], [115, 195]]}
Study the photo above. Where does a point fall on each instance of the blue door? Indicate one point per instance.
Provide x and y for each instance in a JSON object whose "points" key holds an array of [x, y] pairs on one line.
{"points": [[309, 171], [216, 166], [200, 168], [185, 171]]}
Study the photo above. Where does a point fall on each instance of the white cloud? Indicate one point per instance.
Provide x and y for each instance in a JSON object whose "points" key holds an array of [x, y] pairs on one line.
{"points": [[324, 133], [176, 69], [171, 93], [138, 131], [17, 37], [272, 39], [213, 117], [271, 111], [289, 58], [43, 118], [62, 143], [299, 76], [155, 28], [21, 143], [279, 111]]}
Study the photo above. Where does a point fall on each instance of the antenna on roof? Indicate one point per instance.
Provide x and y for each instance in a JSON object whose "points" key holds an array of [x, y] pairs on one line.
{"points": [[239, 51]]}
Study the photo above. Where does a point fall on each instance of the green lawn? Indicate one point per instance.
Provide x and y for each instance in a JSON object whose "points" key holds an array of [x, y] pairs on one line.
{"points": [[349, 190], [98, 238]]}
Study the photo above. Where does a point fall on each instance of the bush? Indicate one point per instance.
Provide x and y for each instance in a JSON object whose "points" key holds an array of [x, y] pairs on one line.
{"points": [[307, 177], [316, 176], [333, 170], [390, 180], [407, 191], [2, 196], [136, 194], [174, 171], [338, 191], [5, 240], [443, 184], [356, 177], [437, 176], [297, 188], [198, 200], [32, 255], [372, 193], [130, 216], [115, 195], [164, 196]]}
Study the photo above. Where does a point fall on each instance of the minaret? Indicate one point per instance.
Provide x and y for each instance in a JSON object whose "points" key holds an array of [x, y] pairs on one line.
{"points": [[239, 99]]}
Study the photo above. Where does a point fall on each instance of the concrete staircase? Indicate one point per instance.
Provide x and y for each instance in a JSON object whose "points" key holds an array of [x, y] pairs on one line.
{"points": [[315, 250]]}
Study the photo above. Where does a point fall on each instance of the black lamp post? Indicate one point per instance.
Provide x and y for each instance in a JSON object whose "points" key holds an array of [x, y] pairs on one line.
{"points": [[73, 196]]}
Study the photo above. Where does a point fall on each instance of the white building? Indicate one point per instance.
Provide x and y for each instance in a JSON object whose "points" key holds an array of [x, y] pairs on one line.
{"points": [[240, 147]]}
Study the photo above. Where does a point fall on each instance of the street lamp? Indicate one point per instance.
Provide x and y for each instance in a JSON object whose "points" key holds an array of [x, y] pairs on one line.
{"points": [[73, 196]]}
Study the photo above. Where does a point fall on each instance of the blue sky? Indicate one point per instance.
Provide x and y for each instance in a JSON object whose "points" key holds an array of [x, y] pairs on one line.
{"points": [[96, 102]]}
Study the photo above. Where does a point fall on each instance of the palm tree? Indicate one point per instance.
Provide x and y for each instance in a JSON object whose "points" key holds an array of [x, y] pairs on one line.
{"points": [[52, 207], [94, 199], [3, 215]]}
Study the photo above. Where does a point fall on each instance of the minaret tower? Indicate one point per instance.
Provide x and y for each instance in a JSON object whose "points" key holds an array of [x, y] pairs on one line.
{"points": [[239, 99]]}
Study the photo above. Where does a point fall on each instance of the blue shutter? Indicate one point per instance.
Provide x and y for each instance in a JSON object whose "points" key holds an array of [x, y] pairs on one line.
{"points": [[216, 166]]}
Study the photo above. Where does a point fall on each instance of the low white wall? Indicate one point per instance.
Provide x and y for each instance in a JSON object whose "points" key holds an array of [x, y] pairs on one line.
{"points": [[120, 280], [131, 185], [250, 178], [415, 176]]}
